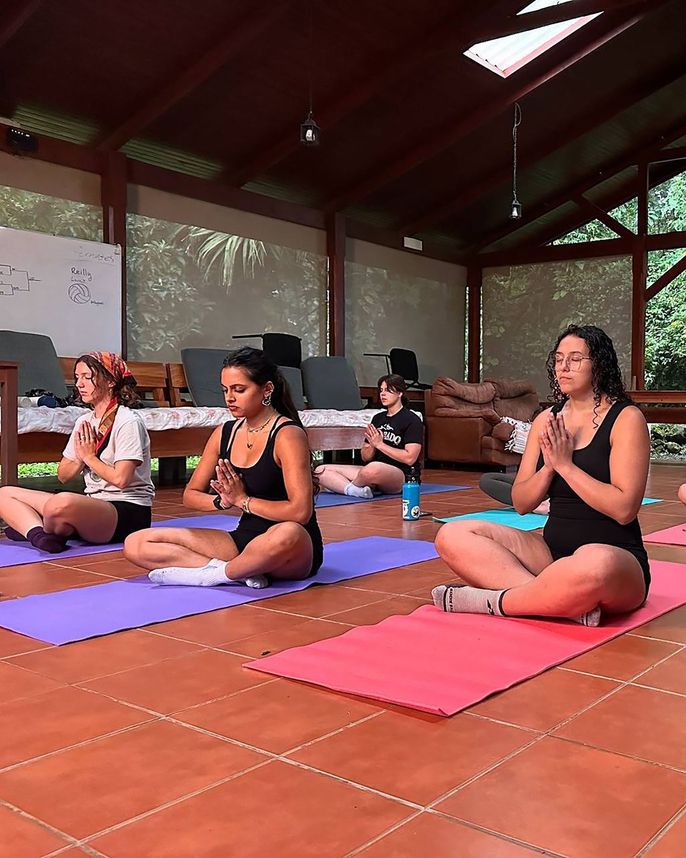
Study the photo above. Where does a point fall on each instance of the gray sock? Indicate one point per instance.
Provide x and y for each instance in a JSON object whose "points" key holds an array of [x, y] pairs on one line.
{"points": [[460, 598]]}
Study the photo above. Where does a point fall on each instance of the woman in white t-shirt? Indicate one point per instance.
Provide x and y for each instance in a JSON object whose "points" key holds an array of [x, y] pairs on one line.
{"points": [[111, 447]]}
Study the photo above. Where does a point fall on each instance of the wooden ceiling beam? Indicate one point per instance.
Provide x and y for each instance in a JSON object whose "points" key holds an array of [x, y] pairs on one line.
{"points": [[587, 183], [575, 128], [555, 15], [453, 32], [666, 278], [588, 207], [209, 62], [14, 19], [596, 34]]}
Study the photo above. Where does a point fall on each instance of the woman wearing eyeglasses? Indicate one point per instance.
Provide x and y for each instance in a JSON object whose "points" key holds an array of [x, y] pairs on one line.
{"points": [[589, 454]]}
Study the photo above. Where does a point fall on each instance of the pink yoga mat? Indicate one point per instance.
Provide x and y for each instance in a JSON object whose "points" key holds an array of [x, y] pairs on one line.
{"points": [[443, 663], [669, 536]]}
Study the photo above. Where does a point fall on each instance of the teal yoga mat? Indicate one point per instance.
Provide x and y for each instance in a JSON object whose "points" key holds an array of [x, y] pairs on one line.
{"points": [[511, 518]]}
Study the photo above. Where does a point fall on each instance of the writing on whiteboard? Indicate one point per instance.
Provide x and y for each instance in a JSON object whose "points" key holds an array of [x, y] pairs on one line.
{"points": [[14, 280], [95, 255]]}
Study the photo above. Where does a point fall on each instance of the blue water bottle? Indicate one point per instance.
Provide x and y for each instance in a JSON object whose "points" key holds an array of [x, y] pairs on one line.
{"points": [[411, 495]]}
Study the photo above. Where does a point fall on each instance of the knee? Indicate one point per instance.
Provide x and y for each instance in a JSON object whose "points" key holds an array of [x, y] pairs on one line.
{"points": [[5, 494], [681, 493], [594, 568], [370, 473], [319, 470], [289, 535], [452, 535], [59, 507], [134, 543]]}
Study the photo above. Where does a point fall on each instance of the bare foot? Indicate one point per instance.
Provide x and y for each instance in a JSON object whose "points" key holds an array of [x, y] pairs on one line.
{"points": [[542, 508]]}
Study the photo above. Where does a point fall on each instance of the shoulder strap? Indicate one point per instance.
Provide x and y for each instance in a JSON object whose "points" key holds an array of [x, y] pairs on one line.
{"points": [[229, 430]]}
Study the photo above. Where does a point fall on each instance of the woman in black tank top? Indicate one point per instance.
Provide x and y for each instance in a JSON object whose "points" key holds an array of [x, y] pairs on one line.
{"points": [[259, 465], [589, 454]]}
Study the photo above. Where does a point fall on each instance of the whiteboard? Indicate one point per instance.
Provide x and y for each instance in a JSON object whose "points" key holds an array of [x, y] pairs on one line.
{"points": [[67, 288]]}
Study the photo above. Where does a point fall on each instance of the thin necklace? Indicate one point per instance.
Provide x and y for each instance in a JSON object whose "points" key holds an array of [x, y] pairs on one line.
{"points": [[255, 431]]}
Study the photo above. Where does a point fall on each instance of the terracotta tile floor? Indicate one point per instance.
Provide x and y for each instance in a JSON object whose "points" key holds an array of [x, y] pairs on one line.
{"points": [[155, 742]]}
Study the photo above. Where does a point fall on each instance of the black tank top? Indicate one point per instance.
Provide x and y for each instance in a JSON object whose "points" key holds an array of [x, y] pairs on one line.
{"points": [[264, 480], [572, 522]]}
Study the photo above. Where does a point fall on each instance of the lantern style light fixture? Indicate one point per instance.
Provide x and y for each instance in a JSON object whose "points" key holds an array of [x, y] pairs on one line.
{"points": [[310, 132], [516, 206]]}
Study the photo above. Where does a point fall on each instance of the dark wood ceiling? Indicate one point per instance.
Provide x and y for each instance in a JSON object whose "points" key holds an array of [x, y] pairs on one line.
{"points": [[416, 138]]}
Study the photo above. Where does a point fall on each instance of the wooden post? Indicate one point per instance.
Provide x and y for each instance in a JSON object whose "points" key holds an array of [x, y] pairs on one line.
{"points": [[640, 281], [8, 420], [113, 197], [474, 276], [335, 251]]}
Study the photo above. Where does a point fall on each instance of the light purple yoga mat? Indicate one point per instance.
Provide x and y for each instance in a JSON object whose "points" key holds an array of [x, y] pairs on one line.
{"points": [[15, 553], [87, 612], [325, 499]]}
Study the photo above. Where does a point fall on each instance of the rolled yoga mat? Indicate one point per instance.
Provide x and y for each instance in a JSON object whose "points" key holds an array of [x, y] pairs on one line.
{"points": [[88, 612], [443, 663]]}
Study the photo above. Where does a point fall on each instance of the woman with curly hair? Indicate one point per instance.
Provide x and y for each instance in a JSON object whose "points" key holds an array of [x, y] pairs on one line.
{"points": [[589, 454], [110, 446]]}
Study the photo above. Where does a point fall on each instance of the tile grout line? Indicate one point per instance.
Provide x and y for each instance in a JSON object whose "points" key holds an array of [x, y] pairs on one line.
{"points": [[678, 816], [71, 841]]}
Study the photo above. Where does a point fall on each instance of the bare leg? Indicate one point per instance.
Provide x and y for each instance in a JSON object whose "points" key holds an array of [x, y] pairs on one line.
{"points": [[178, 546], [381, 476], [284, 551], [492, 555], [336, 478], [594, 576], [22, 509], [682, 493], [66, 514]]}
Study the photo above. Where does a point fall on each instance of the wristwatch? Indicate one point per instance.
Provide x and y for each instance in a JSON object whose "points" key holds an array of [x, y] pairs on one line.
{"points": [[218, 502]]}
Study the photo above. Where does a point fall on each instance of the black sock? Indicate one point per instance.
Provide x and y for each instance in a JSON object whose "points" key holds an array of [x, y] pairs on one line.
{"points": [[48, 542], [14, 535]]}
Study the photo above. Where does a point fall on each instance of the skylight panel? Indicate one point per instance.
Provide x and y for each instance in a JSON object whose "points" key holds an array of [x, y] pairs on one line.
{"points": [[508, 54]]}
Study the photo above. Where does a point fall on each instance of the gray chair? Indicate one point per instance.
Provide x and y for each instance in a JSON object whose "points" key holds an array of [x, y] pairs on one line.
{"points": [[330, 382], [39, 367], [203, 370], [294, 380]]}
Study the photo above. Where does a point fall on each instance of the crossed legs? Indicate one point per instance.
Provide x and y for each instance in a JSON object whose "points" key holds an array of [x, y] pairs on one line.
{"points": [[343, 479], [518, 571]]}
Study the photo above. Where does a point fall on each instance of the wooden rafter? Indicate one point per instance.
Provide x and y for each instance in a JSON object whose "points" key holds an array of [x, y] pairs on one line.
{"points": [[210, 61], [594, 35], [666, 278], [455, 31], [598, 213], [14, 20], [599, 175], [575, 128]]}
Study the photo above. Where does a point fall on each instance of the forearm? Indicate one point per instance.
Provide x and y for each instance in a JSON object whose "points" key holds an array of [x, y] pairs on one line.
{"points": [[287, 510], [528, 494], [367, 452], [604, 497], [400, 455], [68, 469], [108, 473], [194, 499]]}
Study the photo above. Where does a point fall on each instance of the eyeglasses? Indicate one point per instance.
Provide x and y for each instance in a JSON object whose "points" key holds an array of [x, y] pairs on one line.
{"points": [[573, 361]]}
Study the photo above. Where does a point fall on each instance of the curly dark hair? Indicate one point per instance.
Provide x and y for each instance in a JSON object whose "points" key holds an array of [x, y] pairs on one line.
{"points": [[607, 377]]}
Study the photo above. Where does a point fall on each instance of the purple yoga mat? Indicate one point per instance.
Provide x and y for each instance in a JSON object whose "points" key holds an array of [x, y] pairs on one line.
{"points": [[87, 612], [325, 499], [15, 553]]}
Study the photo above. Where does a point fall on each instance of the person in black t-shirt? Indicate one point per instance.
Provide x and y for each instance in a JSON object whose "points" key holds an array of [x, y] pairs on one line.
{"points": [[392, 445]]}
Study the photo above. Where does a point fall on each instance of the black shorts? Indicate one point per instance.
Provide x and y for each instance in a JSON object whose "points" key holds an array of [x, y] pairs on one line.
{"points": [[130, 518], [242, 536]]}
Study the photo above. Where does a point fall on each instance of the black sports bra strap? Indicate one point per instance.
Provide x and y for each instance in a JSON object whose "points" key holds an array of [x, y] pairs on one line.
{"points": [[234, 426], [277, 426]]}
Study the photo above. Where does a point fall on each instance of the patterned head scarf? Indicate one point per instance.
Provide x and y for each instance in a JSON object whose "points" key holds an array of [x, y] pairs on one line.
{"points": [[116, 366]]}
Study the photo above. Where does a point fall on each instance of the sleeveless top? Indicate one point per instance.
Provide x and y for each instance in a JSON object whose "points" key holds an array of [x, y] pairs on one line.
{"points": [[572, 522], [264, 480]]}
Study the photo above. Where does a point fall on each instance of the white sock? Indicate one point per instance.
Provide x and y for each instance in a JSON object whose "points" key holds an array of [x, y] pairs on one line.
{"points": [[211, 575], [354, 491]]}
